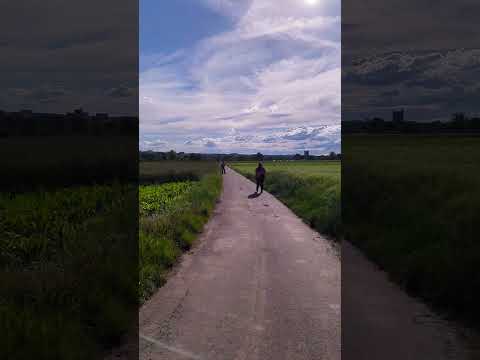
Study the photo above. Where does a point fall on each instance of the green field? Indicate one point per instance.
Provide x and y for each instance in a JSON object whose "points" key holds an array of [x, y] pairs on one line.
{"points": [[412, 204], [68, 245], [310, 188], [176, 199], [300, 168], [52, 162], [68, 258], [173, 170]]}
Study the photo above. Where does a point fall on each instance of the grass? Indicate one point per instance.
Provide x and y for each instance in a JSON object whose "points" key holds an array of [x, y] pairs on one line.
{"points": [[412, 204], [310, 188], [67, 269], [52, 162], [172, 215], [302, 168]]}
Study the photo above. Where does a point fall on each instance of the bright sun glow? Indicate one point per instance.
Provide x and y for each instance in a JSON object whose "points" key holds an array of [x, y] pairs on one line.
{"points": [[311, 2]]}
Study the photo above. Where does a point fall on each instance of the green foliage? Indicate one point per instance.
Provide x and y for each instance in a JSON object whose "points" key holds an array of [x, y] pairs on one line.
{"points": [[310, 188], [172, 215], [157, 199], [422, 194], [68, 260]]}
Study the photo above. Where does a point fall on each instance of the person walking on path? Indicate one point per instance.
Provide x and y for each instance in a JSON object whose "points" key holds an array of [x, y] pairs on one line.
{"points": [[222, 165], [260, 177]]}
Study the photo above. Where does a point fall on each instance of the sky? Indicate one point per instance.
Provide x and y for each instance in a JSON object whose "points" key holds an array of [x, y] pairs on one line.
{"points": [[65, 54], [245, 76], [418, 55]]}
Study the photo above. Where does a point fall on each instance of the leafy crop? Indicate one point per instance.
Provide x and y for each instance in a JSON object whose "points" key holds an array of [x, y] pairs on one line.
{"points": [[171, 215], [159, 199], [36, 226], [68, 262]]}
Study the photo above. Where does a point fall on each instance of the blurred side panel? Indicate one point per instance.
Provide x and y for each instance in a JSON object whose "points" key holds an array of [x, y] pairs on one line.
{"points": [[410, 179], [69, 169]]}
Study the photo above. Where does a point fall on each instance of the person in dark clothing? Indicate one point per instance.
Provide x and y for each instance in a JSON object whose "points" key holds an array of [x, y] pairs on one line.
{"points": [[222, 165], [260, 177]]}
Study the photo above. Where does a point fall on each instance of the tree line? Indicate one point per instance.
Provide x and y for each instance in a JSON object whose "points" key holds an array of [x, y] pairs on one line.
{"points": [[173, 155], [458, 123]]}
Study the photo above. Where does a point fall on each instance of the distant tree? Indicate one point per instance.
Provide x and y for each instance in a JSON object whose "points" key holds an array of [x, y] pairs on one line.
{"points": [[459, 120], [147, 155], [332, 155], [297, 157], [172, 155], [259, 156]]}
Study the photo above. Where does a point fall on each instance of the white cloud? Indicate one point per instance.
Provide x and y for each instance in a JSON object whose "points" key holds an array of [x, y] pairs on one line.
{"points": [[278, 69]]}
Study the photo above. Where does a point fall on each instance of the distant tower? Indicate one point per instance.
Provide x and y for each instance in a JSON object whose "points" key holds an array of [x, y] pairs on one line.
{"points": [[398, 115], [306, 154]]}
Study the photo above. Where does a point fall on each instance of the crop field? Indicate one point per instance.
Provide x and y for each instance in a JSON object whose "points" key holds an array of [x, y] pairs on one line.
{"points": [[173, 170], [175, 201], [298, 167], [158, 199], [423, 195], [310, 188], [67, 269], [62, 161]]}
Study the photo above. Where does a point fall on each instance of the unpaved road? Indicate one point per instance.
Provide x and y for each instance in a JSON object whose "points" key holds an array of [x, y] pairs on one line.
{"points": [[260, 284]]}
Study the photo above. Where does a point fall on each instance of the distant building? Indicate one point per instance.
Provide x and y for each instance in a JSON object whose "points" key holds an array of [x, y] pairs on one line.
{"points": [[306, 154], [398, 115]]}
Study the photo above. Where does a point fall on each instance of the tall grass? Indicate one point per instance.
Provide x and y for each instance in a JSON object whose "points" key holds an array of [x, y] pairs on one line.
{"points": [[312, 195], [412, 204]]}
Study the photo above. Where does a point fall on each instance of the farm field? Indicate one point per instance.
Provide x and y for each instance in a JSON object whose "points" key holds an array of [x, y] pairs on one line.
{"points": [[67, 269], [175, 170], [433, 182], [298, 167], [310, 188], [32, 161], [175, 201]]}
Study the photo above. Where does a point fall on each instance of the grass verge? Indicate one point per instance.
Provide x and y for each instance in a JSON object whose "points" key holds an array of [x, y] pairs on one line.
{"points": [[411, 203], [164, 236], [316, 199]]}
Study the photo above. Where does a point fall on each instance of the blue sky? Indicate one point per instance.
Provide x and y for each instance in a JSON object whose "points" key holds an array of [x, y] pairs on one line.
{"points": [[240, 75]]}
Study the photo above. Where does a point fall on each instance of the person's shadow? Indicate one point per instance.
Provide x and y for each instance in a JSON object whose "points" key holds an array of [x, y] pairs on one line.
{"points": [[254, 195]]}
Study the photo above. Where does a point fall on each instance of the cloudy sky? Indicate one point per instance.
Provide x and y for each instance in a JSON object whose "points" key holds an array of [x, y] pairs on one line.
{"points": [[419, 55], [240, 75], [65, 54]]}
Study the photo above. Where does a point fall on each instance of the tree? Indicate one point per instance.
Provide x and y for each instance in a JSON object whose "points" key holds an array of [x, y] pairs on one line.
{"points": [[172, 155]]}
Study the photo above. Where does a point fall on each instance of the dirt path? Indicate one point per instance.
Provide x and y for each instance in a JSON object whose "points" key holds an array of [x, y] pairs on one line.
{"points": [[260, 285]]}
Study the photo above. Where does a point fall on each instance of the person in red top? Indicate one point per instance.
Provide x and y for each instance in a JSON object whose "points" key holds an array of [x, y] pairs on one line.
{"points": [[260, 177]]}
